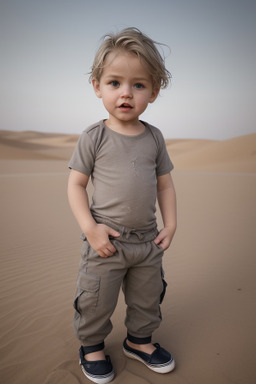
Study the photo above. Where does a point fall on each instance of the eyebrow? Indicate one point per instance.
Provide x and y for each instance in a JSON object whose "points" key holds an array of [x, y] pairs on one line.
{"points": [[113, 76]]}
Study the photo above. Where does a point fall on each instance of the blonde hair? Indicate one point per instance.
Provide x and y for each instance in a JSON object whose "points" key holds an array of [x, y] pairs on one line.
{"points": [[134, 41]]}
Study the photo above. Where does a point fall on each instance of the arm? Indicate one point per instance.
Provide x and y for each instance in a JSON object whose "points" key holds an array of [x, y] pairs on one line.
{"points": [[167, 202], [97, 234]]}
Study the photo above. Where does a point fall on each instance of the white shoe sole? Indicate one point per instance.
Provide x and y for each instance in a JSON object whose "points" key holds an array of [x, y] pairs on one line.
{"points": [[99, 380], [160, 368]]}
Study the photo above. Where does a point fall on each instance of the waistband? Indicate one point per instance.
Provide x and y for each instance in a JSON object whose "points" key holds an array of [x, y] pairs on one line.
{"points": [[128, 235]]}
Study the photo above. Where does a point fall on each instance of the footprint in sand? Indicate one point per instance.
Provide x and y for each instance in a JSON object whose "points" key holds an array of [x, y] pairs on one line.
{"points": [[66, 373], [69, 373]]}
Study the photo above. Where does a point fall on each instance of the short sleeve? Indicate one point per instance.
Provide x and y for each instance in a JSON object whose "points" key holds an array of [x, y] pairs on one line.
{"points": [[83, 157], [164, 164]]}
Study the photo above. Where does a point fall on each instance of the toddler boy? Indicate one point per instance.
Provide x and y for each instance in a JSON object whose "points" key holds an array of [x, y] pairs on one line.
{"points": [[129, 166]]}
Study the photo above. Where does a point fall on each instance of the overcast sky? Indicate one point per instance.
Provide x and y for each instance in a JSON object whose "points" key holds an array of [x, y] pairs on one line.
{"points": [[47, 48]]}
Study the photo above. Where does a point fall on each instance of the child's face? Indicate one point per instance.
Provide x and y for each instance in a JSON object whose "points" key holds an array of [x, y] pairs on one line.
{"points": [[125, 87]]}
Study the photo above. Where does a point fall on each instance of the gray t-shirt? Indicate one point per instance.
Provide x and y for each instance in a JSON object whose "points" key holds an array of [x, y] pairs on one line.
{"points": [[124, 172]]}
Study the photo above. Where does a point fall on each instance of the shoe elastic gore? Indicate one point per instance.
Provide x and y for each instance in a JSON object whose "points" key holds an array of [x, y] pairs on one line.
{"points": [[100, 372], [159, 361]]}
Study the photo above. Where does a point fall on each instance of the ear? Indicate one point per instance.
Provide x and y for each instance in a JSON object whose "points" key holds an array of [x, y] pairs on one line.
{"points": [[154, 95], [96, 87]]}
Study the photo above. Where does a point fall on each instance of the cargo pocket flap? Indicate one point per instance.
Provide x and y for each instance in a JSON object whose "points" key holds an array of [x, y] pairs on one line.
{"points": [[89, 283]]}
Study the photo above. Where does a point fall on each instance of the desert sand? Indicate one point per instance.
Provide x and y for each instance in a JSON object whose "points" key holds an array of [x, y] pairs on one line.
{"points": [[209, 314]]}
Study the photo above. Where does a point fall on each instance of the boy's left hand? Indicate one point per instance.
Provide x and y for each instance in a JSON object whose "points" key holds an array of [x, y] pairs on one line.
{"points": [[164, 238]]}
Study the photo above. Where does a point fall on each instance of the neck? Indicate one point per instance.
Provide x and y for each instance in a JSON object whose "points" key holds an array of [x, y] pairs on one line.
{"points": [[126, 128]]}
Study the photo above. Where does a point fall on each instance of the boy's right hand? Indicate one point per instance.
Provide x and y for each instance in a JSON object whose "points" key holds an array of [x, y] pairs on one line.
{"points": [[98, 237]]}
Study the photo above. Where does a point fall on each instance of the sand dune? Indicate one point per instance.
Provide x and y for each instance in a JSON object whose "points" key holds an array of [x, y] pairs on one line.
{"points": [[209, 312], [234, 155], [34, 145]]}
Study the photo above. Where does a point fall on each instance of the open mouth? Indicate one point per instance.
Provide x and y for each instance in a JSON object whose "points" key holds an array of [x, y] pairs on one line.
{"points": [[125, 106]]}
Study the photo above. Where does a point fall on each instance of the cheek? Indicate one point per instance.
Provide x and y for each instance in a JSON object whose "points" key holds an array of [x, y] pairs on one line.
{"points": [[143, 100], [108, 95], [108, 100]]}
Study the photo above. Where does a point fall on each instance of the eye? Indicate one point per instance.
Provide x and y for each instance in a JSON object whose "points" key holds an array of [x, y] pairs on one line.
{"points": [[138, 85], [114, 83]]}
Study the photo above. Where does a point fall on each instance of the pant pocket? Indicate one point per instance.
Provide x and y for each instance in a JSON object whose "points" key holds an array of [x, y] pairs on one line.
{"points": [[87, 293], [85, 248], [164, 286]]}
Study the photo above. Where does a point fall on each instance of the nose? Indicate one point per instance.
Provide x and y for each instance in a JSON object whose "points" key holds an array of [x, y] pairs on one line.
{"points": [[126, 91]]}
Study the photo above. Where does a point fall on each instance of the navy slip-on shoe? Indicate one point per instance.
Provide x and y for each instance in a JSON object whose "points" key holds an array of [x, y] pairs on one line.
{"points": [[100, 372], [159, 361]]}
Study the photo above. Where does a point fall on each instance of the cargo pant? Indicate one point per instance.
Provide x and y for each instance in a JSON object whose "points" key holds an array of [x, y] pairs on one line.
{"points": [[137, 267]]}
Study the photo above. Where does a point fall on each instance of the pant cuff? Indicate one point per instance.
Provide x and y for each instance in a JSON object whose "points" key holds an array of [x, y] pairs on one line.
{"points": [[93, 348], [139, 340]]}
